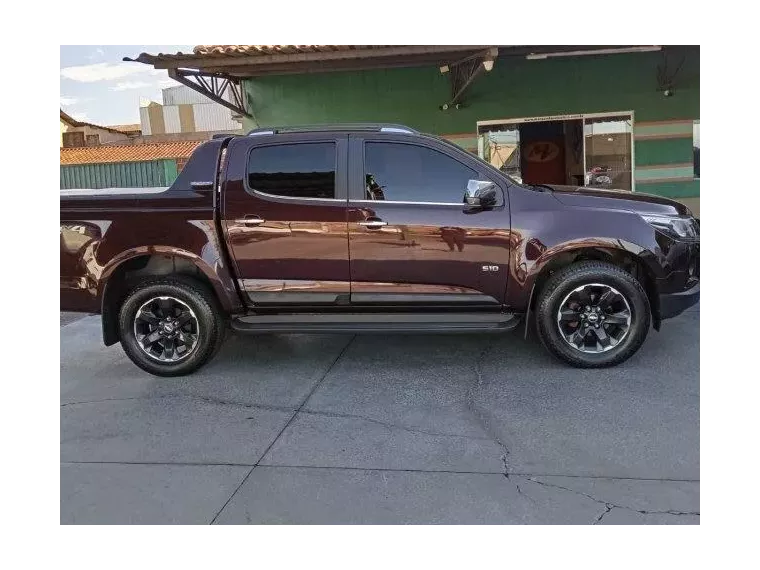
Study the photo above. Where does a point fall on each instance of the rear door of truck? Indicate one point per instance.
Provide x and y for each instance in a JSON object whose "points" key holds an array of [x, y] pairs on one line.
{"points": [[284, 201]]}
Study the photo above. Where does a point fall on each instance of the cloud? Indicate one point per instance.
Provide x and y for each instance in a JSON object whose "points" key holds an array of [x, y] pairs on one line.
{"points": [[81, 117], [102, 71], [98, 53], [167, 83], [124, 85], [66, 101]]}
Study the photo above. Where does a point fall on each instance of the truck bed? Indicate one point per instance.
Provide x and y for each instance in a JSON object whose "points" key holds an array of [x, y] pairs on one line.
{"points": [[103, 229]]}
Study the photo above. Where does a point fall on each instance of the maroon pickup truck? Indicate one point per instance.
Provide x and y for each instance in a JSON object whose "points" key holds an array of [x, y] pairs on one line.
{"points": [[369, 229]]}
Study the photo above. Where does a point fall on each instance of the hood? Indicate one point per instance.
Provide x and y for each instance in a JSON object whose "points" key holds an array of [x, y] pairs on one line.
{"points": [[618, 200]]}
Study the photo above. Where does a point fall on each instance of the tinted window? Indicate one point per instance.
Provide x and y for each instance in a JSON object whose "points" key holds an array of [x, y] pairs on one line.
{"points": [[302, 170], [411, 173]]}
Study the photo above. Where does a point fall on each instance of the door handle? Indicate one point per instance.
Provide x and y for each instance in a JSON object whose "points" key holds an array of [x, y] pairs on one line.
{"points": [[252, 221], [373, 224]]}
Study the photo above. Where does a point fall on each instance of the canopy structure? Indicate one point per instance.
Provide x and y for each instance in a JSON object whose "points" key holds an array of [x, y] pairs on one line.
{"points": [[217, 70]]}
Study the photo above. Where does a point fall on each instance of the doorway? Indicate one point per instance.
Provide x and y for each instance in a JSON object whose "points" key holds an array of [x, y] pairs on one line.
{"points": [[580, 150]]}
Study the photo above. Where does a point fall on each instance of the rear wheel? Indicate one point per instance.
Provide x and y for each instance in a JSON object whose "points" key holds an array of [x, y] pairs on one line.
{"points": [[170, 326], [592, 314]]}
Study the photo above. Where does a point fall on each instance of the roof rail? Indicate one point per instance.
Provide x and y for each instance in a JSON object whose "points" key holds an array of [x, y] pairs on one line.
{"points": [[363, 127]]}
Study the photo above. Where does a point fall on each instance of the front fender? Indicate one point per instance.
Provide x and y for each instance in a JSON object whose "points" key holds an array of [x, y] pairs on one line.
{"points": [[546, 232], [640, 252], [526, 267]]}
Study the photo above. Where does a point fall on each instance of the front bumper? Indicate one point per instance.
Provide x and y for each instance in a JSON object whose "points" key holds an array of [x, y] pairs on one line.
{"points": [[673, 304]]}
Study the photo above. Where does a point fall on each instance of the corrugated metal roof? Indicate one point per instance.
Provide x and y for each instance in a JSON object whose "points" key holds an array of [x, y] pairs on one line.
{"points": [[132, 153]]}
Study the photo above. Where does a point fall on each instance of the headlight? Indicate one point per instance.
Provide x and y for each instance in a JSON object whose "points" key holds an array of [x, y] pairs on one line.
{"points": [[675, 226]]}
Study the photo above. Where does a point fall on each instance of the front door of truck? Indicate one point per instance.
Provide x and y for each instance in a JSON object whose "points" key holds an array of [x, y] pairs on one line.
{"points": [[412, 240], [284, 216]]}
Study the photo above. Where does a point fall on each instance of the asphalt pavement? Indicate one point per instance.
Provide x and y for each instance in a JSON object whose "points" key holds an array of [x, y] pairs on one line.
{"points": [[381, 429]]}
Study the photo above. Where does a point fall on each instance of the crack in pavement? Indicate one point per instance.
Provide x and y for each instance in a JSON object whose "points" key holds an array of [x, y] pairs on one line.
{"points": [[512, 477], [392, 425], [386, 469], [205, 399], [314, 388], [222, 402], [609, 506], [485, 423], [65, 404]]}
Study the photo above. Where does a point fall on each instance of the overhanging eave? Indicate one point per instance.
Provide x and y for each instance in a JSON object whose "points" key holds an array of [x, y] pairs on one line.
{"points": [[210, 67]]}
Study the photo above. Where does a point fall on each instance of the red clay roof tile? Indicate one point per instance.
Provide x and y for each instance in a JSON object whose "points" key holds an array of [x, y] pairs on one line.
{"points": [[130, 153]]}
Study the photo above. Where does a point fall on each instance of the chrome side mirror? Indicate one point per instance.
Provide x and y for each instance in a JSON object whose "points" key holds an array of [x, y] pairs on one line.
{"points": [[480, 194]]}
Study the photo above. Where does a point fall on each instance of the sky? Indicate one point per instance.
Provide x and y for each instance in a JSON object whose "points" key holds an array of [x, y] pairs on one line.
{"points": [[98, 87]]}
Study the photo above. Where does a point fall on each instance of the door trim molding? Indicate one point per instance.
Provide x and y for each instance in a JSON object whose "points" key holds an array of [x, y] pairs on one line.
{"points": [[295, 291], [422, 299], [310, 292]]}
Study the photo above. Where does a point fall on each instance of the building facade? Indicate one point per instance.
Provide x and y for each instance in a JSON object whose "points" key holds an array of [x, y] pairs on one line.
{"points": [[185, 112], [604, 116], [557, 92], [76, 134]]}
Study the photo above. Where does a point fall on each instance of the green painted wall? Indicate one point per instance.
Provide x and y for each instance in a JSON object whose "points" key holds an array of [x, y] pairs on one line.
{"points": [[688, 189], [516, 87], [664, 151], [119, 174]]}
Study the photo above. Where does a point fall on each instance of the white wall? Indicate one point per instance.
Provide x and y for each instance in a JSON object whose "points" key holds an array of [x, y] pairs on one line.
{"points": [[207, 115], [183, 95], [144, 121], [171, 119], [213, 117]]}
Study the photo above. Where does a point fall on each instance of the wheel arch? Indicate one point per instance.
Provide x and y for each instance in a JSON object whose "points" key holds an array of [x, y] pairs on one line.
{"points": [[633, 263], [134, 266]]}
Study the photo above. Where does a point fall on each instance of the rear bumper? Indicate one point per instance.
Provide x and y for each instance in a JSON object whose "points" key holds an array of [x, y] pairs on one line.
{"points": [[673, 304]]}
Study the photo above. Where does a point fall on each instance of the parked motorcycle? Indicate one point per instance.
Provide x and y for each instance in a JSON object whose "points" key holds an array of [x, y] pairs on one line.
{"points": [[599, 176]]}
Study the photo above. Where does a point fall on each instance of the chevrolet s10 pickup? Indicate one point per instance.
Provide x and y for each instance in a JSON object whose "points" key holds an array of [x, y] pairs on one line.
{"points": [[369, 229]]}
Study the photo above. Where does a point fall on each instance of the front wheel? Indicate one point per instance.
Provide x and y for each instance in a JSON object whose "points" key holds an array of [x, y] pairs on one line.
{"points": [[592, 314], [170, 326]]}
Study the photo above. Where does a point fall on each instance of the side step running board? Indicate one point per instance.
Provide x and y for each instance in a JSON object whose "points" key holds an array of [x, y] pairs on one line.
{"points": [[356, 323]]}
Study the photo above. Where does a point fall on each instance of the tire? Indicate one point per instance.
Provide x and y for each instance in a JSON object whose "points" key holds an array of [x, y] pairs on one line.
{"points": [[627, 316], [206, 325]]}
